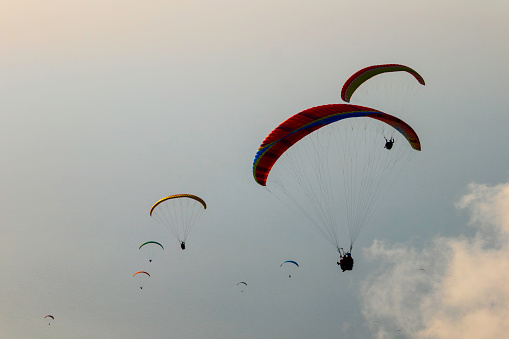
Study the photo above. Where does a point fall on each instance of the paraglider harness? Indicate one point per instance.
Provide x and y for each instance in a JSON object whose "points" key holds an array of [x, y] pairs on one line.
{"points": [[346, 262]]}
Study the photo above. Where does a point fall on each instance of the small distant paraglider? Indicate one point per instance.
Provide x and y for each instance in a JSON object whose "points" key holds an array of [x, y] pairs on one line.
{"points": [[49, 318], [142, 276], [151, 249], [178, 213], [242, 285], [289, 265]]}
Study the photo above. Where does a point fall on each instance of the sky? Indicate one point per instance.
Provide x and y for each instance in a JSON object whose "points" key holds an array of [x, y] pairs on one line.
{"points": [[108, 106]]}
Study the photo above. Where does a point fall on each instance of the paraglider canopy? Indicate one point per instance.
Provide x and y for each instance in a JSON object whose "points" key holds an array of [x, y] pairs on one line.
{"points": [[363, 75], [151, 242], [306, 122], [176, 196], [289, 261], [141, 272]]}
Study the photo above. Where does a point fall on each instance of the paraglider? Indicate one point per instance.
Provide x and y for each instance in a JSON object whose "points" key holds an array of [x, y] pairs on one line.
{"points": [[178, 213], [326, 163], [289, 265], [48, 317], [151, 249], [141, 276], [388, 88], [242, 285]]}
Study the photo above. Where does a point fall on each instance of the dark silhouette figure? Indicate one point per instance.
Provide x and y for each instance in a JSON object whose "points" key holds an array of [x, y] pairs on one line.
{"points": [[346, 263], [389, 143]]}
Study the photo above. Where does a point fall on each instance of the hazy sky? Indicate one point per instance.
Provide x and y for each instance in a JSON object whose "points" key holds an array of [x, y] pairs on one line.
{"points": [[110, 105]]}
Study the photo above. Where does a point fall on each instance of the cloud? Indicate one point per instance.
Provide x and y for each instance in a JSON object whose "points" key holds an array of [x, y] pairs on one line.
{"points": [[455, 287]]}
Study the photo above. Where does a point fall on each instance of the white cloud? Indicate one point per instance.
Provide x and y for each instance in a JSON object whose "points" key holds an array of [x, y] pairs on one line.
{"points": [[454, 288]]}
